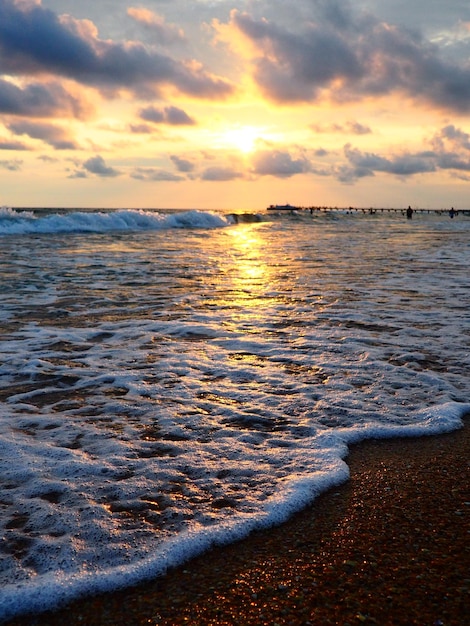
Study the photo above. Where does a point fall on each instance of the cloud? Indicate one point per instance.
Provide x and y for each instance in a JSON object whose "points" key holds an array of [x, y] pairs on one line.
{"points": [[177, 117], [12, 145], [182, 165], [55, 136], [35, 41], [14, 165], [450, 161], [169, 115], [165, 34], [452, 148], [220, 174], [155, 175], [453, 136], [151, 114], [279, 164], [79, 174], [450, 151], [349, 128], [367, 163], [41, 100], [141, 129], [96, 165], [347, 55], [47, 158], [294, 66]]}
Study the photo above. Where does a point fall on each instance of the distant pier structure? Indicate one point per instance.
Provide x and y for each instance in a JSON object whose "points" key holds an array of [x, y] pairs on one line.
{"points": [[371, 210]]}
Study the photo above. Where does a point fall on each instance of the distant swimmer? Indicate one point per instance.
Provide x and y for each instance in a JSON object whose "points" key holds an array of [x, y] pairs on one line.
{"points": [[452, 212], [409, 212]]}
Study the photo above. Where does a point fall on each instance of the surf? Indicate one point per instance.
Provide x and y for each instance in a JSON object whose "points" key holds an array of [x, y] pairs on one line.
{"points": [[26, 222]]}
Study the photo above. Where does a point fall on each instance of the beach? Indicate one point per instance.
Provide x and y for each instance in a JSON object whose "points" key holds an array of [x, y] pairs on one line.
{"points": [[390, 546], [174, 381]]}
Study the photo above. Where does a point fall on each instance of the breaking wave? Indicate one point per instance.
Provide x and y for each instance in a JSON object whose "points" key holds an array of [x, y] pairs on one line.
{"points": [[23, 222]]}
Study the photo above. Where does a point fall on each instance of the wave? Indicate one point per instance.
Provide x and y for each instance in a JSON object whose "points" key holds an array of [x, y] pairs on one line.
{"points": [[23, 222]]}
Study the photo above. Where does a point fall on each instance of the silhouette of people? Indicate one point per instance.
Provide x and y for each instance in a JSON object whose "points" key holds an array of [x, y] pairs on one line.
{"points": [[452, 213], [409, 212]]}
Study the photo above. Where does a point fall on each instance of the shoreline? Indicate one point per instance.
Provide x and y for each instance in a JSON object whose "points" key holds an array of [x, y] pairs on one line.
{"points": [[390, 546]]}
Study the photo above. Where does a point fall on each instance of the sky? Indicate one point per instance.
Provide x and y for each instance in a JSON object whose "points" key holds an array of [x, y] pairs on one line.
{"points": [[219, 104]]}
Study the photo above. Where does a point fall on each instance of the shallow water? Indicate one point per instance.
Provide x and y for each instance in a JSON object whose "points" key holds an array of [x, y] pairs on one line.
{"points": [[171, 380]]}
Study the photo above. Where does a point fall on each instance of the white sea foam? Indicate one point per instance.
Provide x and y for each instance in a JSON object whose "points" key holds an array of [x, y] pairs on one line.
{"points": [[165, 389], [17, 222]]}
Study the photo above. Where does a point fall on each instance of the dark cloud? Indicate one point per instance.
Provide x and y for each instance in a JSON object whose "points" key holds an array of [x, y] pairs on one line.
{"points": [[278, 163], [177, 117], [169, 115], [13, 165], [453, 161], [450, 151], [182, 165], [53, 135], [141, 129], [78, 174], [294, 65], [348, 55], [431, 15], [47, 158], [357, 129], [40, 100], [367, 163], [96, 165], [219, 173], [152, 174], [12, 145], [454, 136], [349, 128], [34, 40], [151, 114]]}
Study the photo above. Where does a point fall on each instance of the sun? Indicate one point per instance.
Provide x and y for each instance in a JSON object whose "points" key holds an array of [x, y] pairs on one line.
{"points": [[242, 138]]}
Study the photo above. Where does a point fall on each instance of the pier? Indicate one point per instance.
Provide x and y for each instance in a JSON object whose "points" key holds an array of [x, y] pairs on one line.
{"points": [[370, 210]]}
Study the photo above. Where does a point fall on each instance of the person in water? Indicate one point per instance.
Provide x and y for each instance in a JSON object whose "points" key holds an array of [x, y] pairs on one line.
{"points": [[409, 212], [452, 213]]}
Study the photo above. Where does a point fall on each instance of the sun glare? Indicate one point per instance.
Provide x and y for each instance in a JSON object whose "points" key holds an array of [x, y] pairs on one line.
{"points": [[242, 138]]}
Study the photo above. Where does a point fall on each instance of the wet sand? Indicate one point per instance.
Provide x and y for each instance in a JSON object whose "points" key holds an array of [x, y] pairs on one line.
{"points": [[389, 547]]}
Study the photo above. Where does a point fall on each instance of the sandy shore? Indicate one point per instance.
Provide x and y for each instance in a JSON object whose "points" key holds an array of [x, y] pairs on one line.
{"points": [[390, 547]]}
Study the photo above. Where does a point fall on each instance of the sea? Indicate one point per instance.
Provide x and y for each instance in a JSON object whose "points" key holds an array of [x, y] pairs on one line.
{"points": [[174, 380]]}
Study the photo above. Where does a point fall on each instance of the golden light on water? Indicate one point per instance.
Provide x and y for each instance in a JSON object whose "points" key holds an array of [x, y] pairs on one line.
{"points": [[251, 273]]}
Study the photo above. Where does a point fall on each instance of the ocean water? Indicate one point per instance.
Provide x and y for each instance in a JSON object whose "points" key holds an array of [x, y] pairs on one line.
{"points": [[174, 380]]}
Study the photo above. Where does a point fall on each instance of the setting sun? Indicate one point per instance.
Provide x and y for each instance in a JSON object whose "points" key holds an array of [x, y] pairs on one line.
{"points": [[243, 138]]}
